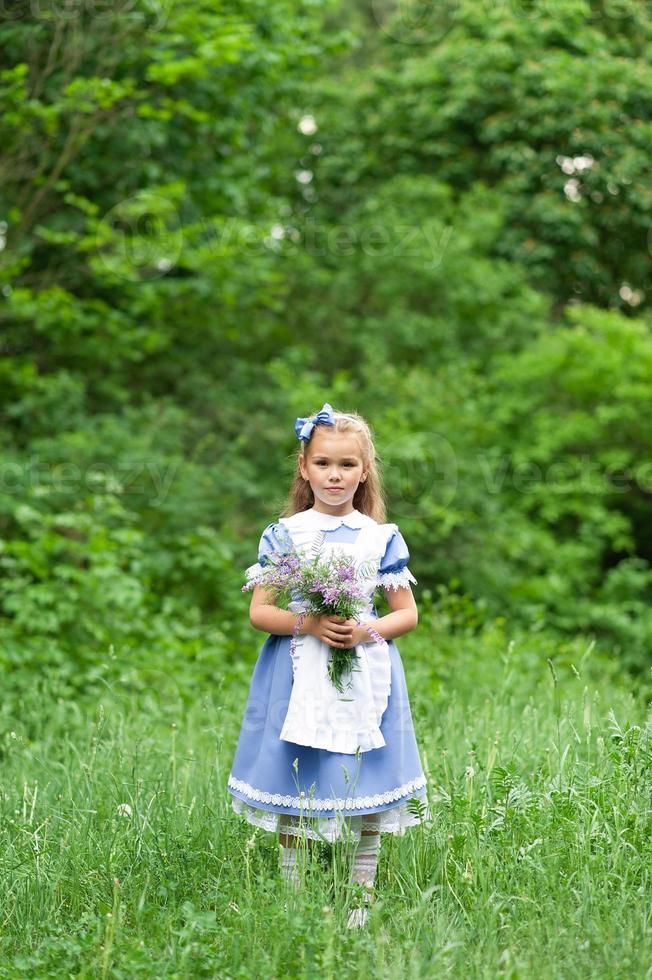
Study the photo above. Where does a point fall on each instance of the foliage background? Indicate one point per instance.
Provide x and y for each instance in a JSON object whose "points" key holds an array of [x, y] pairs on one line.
{"points": [[216, 217]]}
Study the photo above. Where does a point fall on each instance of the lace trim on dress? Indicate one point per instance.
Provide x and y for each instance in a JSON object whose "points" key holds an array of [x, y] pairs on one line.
{"points": [[395, 580], [354, 803], [394, 820]]}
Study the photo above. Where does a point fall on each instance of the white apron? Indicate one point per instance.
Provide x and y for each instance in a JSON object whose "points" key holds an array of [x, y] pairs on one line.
{"points": [[318, 714]]}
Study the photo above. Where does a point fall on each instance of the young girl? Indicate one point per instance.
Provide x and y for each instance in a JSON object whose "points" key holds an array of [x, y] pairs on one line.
{"points": [[283, 778]]}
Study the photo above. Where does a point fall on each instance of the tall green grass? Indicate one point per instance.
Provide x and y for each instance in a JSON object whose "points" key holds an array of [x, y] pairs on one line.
{"points": [[121, 856]]}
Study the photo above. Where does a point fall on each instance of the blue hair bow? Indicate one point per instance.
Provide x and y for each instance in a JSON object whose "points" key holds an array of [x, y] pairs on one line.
{"points": [[304, 427]]}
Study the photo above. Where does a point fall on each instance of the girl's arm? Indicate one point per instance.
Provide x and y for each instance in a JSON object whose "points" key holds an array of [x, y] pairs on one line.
{"points": [[265, 616], [403, 617]]}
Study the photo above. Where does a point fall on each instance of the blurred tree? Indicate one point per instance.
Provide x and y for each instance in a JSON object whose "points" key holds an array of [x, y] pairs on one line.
{"points": [[549, 104], [215, 217]]}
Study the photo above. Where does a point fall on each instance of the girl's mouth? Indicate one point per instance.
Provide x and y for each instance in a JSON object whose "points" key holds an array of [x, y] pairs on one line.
{"points": [[334, 489]]}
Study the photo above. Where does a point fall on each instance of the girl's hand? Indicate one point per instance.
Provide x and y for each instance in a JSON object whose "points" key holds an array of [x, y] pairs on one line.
{"points": [[359, 632], [332, 630], [338, 632]]}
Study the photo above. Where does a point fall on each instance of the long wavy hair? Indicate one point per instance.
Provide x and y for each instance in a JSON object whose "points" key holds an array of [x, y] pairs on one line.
{"points": [[369, 498]]}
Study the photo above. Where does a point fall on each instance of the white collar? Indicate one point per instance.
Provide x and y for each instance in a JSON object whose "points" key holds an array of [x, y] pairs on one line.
{"points": [[328, 522]]}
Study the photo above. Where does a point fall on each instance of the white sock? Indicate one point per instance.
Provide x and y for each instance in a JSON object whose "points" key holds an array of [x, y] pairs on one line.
{"points": [[290, 866], [365, 862]]}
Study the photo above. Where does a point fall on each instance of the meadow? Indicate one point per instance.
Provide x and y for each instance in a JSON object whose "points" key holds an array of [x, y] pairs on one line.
{"points": [[121, 856]]}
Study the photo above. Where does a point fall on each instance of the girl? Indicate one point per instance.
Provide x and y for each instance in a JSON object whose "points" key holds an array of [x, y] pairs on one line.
{"points": [[282, 778]]}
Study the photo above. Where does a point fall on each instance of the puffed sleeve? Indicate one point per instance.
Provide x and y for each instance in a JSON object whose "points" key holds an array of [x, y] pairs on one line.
{"points": [[393, 572], [275, 540]]}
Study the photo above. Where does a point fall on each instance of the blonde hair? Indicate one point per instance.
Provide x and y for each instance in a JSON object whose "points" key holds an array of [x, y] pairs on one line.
{"points": [[369, 498]]}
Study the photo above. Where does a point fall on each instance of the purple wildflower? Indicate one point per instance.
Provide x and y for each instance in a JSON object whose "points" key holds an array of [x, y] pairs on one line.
{"points": [[332, 595]]}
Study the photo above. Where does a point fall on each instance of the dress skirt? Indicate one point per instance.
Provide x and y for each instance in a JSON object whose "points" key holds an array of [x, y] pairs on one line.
{"points": [[301, 790]]}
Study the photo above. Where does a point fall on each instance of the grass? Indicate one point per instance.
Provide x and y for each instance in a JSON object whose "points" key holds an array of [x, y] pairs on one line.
{"points": [[121, 856]]}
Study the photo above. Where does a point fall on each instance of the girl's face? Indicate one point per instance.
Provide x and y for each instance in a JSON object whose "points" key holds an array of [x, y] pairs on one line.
{"points": [[333, 465]]}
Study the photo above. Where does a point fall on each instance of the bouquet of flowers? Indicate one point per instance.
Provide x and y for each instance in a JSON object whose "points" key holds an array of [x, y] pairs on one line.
{"points": [[328, 585]]}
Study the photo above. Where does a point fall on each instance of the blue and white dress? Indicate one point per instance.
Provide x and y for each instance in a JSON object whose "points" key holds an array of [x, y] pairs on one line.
{"points": [[298, 789]]}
